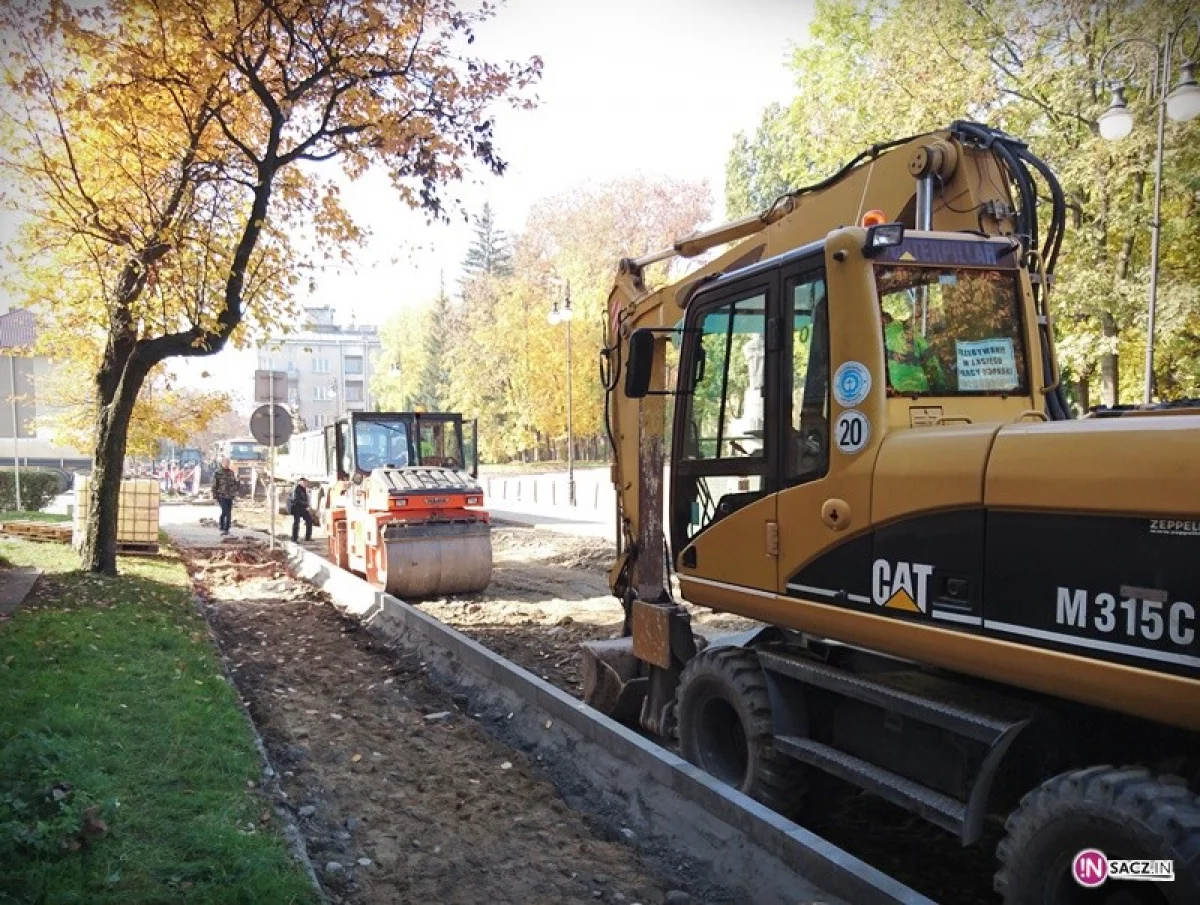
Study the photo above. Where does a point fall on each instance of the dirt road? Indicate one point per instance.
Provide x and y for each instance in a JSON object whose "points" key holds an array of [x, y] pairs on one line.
{"points": [[549, 593], [401, 797]]}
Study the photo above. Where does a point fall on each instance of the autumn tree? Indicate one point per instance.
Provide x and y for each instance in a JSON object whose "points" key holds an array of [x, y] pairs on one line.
{"points": [[870, 74], [509, 362], [164, 410], [166, 154]]}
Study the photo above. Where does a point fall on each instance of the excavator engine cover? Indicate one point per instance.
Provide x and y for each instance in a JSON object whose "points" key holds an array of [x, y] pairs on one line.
{"points": [[434, 558]]}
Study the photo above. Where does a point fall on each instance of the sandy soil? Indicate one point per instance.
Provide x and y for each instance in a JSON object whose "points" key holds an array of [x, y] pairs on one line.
{"points": [[401, 797]]}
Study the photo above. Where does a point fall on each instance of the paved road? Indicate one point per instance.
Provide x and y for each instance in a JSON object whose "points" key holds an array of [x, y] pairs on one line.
{"points": [[583, 523]]}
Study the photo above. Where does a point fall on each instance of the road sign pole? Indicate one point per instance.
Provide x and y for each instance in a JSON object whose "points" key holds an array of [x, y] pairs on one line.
{"points": [[271, 477]]}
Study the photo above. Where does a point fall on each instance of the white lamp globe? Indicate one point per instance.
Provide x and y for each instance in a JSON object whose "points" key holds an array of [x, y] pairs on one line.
{"points": [[1116, 122], [1183, 103]]}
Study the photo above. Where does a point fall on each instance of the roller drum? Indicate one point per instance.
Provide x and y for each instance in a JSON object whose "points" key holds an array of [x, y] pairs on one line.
{"points": [[434, 559]]}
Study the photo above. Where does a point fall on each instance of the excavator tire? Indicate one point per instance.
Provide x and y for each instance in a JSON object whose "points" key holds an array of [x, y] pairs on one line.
{"points": [[1127, 812], [724, 727], [433, 560]]}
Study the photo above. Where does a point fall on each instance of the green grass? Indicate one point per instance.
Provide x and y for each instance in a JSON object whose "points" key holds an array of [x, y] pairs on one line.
{"points": [[111, 694], [14, 515]]}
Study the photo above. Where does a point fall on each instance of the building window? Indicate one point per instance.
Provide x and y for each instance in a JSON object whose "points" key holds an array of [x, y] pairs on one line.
{"points": [[293, 395], [320, 365], [321, 394], [291, 367], [354, 392], [354, 364]]}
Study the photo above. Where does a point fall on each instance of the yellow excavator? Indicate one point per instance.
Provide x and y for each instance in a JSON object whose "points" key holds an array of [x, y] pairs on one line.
{"points": [[850, 427]]}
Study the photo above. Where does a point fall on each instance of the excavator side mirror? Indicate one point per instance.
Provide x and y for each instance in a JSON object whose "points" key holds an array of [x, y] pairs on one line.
{"points": [[641, 364]]}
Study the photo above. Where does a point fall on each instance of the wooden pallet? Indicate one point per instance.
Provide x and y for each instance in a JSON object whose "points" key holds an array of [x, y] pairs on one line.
{"points": [[127, 548], [47, 531]]}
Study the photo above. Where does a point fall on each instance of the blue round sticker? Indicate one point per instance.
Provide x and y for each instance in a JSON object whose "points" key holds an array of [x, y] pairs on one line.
{"points": [[851, 383]]}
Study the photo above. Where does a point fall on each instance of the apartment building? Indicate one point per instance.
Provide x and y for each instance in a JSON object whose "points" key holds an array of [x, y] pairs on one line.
{"points": [[26, 429], [329, 367]]}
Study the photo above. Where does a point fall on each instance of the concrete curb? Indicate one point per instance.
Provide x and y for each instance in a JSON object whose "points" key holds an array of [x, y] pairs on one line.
{"points": [[745, 844]]}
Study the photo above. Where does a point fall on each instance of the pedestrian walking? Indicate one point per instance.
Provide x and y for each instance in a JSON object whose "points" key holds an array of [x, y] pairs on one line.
{"points": [[299, 508], [224, 491]]}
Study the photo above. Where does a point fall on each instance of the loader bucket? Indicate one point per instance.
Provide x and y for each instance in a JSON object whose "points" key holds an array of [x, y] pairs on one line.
{"points": [[613, 682], [435, 558]]}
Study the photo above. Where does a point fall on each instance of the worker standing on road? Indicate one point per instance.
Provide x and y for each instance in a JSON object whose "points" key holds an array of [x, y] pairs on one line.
{"points": [[298, 507], [224, 491]]}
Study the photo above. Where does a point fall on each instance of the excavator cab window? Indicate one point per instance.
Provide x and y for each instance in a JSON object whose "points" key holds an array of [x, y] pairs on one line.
{"points": [[951, 331], [808, 448], [720, 416]]}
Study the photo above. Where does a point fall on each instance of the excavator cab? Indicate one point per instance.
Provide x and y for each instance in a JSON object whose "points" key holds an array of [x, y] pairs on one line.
{"points": [[406, 508]]}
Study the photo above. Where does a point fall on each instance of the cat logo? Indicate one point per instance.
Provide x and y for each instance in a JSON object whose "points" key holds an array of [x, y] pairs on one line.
{"points": [[902, 586]]}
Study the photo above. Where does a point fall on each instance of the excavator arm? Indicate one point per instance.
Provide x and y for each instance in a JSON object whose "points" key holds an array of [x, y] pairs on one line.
{"points": [[967, 177]]}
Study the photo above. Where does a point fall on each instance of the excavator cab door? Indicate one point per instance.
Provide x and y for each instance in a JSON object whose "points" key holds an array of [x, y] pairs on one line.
{"points": [[724, 438]]}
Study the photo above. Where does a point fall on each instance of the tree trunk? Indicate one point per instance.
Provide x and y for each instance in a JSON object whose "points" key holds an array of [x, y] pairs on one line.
{"points": [[1083, 394], [1110, 374], [99, 552]]}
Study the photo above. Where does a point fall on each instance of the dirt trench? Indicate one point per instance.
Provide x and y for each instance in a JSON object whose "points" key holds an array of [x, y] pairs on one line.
{"points": [[549, 594], [399, 794]]}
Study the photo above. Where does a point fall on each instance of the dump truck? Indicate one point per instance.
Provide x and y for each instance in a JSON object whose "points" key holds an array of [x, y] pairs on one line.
{"points": [[403, 506], [967, 600], [248, 458]]}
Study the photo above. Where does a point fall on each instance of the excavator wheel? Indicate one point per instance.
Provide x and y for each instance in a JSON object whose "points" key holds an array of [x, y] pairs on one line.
{"points": [[724, 727], [432, 559], [1127, 812]]}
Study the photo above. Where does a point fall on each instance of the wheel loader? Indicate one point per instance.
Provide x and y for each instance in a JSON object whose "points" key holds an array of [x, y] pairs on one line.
{"points": [[966, 600], [403, 507]]}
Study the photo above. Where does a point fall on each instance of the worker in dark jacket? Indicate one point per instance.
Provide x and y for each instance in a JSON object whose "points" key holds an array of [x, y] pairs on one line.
{"points": [[298, 507], [224, 491]]}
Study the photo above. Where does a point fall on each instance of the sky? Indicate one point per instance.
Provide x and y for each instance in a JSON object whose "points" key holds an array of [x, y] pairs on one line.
{"points": [[658, 87], [652, 86]]}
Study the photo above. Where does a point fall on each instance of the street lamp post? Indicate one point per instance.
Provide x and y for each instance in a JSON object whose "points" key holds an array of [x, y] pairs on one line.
{"points": [[12, 371], [1182, 103], [564, 316]]}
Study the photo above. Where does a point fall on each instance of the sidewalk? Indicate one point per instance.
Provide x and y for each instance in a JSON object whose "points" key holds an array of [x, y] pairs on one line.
{"points": [[182, 524], [562, 519], [15, 585]]}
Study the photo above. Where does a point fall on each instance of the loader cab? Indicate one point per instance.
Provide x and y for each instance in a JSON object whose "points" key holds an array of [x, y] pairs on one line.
{"points": [[793, 371]]}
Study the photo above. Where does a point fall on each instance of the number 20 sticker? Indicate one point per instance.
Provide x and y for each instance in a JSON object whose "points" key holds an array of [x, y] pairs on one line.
{"points": [[852, 431]]}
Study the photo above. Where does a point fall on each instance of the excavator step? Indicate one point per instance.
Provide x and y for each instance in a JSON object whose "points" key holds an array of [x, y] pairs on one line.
{"points": [[980, 719], [946, 812]]}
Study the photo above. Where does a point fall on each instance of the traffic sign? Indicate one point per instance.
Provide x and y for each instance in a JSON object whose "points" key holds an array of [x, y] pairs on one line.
{"points": [[260, 425], [263, 389]]}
